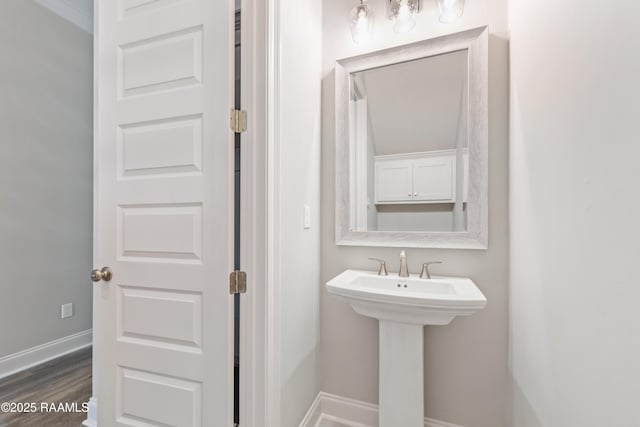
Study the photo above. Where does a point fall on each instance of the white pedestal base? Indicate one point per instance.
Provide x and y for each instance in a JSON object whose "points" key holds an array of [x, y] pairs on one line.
{"points": [[401, 375]]}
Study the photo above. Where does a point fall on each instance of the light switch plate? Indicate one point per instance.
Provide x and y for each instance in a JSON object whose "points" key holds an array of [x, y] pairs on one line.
{"points": [[66, 310]]}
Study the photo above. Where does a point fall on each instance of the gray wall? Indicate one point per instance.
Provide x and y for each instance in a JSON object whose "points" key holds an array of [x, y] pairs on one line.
{"points": [[298, 173], [465, 362], [431, 217], [575, 234], [46, 119]]}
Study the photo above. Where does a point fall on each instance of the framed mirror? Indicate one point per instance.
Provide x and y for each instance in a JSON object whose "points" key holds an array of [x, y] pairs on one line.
{"points": [[412, 144]]}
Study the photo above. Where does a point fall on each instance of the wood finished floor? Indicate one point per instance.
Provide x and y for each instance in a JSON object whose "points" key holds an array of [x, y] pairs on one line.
{"points": [[66, 379]]}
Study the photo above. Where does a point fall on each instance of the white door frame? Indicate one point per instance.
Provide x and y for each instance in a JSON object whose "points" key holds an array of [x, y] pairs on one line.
{"points": [[92, 413], [259, 308], [256, 329], [260, 325], [260, 378]]}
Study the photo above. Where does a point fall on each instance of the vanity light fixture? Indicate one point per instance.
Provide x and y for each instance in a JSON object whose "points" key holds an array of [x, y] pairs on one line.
{"points": [[361, 22], [403, 14], [450, 10]]}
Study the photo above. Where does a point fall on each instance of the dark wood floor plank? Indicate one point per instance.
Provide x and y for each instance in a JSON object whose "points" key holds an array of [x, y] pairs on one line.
{"points": [[66, 379]]}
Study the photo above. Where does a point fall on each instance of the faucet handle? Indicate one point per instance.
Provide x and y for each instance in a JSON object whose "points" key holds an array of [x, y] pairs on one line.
{"points": [[382, 271], [424, 274]]}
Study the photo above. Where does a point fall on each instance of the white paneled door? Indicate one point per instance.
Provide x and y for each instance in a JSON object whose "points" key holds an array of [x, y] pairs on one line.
{"points": [[164, 156]]}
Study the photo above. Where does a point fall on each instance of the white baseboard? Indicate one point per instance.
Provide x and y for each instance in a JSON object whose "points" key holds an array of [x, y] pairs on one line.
{"points": [[350, 412], [25, 359], [313, 415], [92, 414]]}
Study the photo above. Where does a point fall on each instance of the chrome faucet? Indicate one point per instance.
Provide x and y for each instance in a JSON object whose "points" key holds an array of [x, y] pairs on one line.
{"points": [[382, 270], [404, 271], [425, 274]]}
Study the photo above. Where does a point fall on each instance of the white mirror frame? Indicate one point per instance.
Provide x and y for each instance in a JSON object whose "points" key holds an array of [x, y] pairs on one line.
{"points": [[476, 236]]}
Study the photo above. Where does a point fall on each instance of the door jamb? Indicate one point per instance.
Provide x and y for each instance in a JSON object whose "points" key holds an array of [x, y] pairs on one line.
{"points": [[259, 322], [92, 410]]}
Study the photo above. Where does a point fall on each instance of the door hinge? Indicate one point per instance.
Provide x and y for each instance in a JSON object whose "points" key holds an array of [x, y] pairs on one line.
{"points": [[237, 282], [238, 121]]}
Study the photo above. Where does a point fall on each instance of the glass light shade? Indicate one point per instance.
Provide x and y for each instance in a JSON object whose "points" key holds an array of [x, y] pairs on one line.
{"points": [[361, 22], [403, 14], [450, 10]]}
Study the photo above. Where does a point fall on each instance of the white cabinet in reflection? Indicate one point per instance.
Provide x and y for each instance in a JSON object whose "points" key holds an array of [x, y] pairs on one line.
{"points": [[434, 179], [394, 180], [426, 177]]}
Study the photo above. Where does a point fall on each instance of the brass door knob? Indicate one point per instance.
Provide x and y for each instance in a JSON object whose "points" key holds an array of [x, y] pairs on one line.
{"points": [[104, 274]]}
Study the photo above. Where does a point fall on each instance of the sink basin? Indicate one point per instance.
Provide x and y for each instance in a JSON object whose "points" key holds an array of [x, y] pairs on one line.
{"points": [[434, 301], [403, 305]]}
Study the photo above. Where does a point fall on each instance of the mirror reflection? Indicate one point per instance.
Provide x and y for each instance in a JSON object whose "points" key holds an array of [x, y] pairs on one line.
{"points": [[409, 145]]}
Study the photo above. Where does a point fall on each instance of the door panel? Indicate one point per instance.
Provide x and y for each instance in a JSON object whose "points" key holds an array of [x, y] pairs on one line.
{"points": [[434, 179], [393, 181], [176, 145], [139, 389], [164, 220]]}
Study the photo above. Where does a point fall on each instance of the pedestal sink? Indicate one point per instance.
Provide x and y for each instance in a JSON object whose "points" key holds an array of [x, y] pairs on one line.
{"points": [[403, 305]]}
